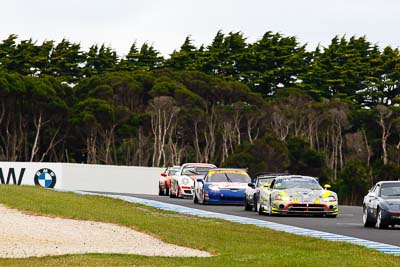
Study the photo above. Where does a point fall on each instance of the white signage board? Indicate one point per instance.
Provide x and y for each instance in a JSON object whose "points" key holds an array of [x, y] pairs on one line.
{"points": [[43, 174], [87, 177]]}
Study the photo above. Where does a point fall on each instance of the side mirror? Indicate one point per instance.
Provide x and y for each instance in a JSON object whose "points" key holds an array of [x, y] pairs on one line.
{"points": [[163, 174], [266, 185], [199, 180], [251, 185], [327, 186]]}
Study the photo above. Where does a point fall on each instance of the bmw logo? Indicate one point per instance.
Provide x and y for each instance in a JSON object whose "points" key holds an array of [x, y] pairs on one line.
{"points": [[45, 178]]}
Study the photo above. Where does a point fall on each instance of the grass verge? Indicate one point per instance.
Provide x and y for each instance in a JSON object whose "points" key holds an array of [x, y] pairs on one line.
{"points": [[232, 243]]}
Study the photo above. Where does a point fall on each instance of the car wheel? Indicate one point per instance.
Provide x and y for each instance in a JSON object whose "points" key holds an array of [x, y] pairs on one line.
{"points": [[160, 191], [259, 208], [204, 201], [195, 199], [166, 191], [171, 193], [246, 205], [380, 224], [331, 215], [367, 220], [270, 210]]}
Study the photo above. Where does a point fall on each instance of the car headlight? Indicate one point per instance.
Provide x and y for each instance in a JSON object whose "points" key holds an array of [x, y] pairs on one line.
{"points": [[329, 199], [281, 197], [213, 188], [185, 181]]}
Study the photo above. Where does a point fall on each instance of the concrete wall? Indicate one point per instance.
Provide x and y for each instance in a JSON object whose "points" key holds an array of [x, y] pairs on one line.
{"points": [[106, 178], [88, 177]]}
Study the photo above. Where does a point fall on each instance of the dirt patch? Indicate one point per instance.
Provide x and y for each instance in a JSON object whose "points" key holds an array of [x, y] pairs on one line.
{"points": [[23, 235]]}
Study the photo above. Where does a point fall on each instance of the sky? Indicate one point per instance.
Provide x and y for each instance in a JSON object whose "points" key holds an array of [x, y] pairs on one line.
{"points": [[166, 23]]}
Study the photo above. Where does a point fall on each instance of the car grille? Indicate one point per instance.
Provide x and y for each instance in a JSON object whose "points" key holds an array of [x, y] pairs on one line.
{"points": [[232, 198], [304, 207], [187, 191]]}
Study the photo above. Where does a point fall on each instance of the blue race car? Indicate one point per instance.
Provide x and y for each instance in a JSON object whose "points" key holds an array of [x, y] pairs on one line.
{"points": [[225, 186]]}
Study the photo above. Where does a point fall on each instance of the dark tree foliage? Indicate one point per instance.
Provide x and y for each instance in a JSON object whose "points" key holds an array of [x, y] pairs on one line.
{"points": [[268, 105]]}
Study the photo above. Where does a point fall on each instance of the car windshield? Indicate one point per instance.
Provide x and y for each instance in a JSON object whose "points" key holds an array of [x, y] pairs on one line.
{"points": [[196, 170], [297, 182], [173, 171], [228, 176], [262, 181], [390, 190]]}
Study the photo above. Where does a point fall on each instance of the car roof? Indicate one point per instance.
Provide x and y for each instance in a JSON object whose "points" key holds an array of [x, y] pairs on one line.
{"points": [[296, 176], [228, 169], [388, 182], [199, 164], [271, 175], [259, 174]]}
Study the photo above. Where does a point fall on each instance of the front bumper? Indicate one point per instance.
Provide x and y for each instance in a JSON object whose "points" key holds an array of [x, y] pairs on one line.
{"points": [[185, 191], [391, 217], [322, 208], [225, 196]]}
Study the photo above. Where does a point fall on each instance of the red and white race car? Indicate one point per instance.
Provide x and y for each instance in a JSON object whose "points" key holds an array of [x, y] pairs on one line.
{"points": [[183, 181], [165, 180]]}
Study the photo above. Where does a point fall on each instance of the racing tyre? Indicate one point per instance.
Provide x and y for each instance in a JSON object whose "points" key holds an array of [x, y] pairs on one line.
{"points": [[203, 202], [195, 199], [166, 191], [367, 220], [171, 195], [380, 224], [259, 209], [270, 210], [246, 205], [331, 215], [160, 191]]}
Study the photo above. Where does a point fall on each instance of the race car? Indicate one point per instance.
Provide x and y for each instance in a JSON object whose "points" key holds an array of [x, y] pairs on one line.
{"points": [[381, 206], [225, 186], [165, 180], [182, 182], [296, 194], [253, 190]]}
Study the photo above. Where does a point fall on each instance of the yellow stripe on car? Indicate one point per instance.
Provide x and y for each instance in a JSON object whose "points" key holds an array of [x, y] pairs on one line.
{"points": [[326, 194]]}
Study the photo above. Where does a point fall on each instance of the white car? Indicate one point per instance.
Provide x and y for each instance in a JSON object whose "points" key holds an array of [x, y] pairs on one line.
{"points": [[297, 194], [183, 181]]}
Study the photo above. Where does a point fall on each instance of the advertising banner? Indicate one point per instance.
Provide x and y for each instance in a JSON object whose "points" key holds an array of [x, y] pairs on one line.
{"points": [[48, 175]]}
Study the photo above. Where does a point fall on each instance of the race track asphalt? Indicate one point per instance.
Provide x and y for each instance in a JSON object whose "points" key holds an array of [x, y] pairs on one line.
{"points": [[348, 222]]}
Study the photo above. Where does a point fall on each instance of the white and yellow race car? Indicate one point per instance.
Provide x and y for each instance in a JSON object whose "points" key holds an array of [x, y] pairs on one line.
{"points": [[297, 194]]}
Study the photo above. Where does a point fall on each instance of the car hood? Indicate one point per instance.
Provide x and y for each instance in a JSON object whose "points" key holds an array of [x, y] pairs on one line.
{"points": [[393, 204], [392, 200], [194, 176], [305, 195]]}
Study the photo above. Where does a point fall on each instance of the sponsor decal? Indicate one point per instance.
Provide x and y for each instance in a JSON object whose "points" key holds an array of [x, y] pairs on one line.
{"points": [[11, 176], [227, 171], [45, 178]]}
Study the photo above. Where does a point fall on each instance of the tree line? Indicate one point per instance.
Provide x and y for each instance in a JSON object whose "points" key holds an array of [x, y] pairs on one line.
{"points": [[270, 105]]}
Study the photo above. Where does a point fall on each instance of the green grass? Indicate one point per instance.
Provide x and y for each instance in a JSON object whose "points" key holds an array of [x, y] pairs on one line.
{"points": [[232, 243]]}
